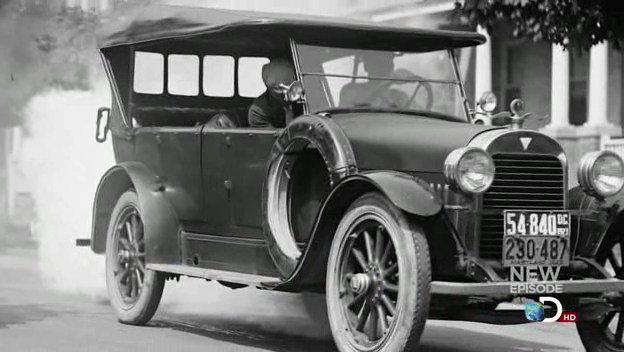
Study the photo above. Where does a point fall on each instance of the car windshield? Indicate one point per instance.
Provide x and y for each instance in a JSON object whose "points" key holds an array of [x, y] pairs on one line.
{"points": [[355, 79]]}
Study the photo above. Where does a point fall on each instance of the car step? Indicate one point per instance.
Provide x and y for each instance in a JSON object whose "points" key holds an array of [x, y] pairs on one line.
{"points": [[259, 281], [83, 242]]}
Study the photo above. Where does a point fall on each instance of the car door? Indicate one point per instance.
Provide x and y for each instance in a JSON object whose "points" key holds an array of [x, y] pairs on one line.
{"points": [[233, 169], [216, 189], [249, 152], [234, 164]]}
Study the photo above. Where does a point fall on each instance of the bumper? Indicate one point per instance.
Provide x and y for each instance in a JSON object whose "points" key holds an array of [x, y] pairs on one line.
{"points": [[503, 289]]}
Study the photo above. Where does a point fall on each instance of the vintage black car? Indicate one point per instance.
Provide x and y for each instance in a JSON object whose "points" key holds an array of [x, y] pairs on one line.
{"points": [[382, 192]]}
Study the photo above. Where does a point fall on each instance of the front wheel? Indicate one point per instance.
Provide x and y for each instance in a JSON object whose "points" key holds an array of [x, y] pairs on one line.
{"points": [[134, 291], [378, 279], [606, 334]]}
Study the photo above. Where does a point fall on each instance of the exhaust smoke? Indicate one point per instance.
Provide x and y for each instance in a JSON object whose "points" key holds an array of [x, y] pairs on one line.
{"points": [[63, 164]]}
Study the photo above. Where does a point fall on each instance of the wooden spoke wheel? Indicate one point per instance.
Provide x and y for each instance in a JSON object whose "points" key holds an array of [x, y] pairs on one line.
{"points": [[378, 278], [606, 334], [134, 291]]}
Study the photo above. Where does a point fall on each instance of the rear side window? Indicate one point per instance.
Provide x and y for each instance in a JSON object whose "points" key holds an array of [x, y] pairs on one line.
{"points": [[250, 83], [218, 80], [149, 71], [183, 75]]}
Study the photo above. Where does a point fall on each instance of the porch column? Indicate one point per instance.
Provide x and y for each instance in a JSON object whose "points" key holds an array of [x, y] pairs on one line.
{"points": [[598, 85], [104, 5], [560, 88], [483, 69]]}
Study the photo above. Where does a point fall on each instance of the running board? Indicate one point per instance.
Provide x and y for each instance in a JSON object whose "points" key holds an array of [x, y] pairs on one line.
{"points": [[266, 282]]}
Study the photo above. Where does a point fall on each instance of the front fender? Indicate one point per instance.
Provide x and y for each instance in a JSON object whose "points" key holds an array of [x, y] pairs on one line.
{"points": [[408, 193], [159, 220]]}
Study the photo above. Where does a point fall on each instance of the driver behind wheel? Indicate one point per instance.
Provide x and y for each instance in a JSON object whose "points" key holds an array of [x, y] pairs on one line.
{"points": [[376, 92]]}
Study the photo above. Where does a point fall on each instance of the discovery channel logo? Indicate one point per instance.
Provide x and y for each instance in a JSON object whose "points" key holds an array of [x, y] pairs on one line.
{"points": [[535, 312]]}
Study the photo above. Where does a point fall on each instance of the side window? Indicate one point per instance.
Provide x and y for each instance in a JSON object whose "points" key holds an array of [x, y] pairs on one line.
{"points": [[183, 75], [149, 73], [218, 80], [250, 83]]}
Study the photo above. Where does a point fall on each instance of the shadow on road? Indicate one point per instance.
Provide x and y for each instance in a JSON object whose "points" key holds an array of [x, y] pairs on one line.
{"points": [[436, 338], [23, 314], [245, 333], [453, 339]]}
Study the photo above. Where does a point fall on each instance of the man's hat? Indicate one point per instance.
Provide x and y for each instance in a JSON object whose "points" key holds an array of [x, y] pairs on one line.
{"points": [[278, 71]]}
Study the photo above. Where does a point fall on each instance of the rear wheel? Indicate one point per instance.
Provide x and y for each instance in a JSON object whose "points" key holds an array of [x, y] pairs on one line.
{"points": [[378, 279], [606, 334], [134, 291]]}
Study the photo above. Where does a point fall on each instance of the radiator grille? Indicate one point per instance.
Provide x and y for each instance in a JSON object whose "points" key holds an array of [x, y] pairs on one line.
{"points": [[522, 181]]}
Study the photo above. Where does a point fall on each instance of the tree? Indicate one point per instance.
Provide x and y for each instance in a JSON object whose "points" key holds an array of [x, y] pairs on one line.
{"points": [[572, 23], [44, 45], [68, 47]]}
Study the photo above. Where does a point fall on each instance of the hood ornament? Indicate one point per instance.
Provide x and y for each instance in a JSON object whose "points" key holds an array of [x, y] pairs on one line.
{"points": [[516, 117]]}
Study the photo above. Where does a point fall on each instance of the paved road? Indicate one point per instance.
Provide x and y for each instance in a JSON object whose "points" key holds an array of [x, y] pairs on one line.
{"points": [[200, 316]]}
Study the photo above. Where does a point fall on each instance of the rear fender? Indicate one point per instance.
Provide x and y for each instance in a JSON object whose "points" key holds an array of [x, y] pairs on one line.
{"points": [[408, 193], [159, 219]]}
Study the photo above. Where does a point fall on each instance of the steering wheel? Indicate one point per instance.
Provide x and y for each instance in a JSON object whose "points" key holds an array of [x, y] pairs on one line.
{"points": [[382, 92]]}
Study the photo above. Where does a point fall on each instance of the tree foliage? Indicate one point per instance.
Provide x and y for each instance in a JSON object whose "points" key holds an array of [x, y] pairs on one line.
{"points": [[45, 45], [69, 49], [572, 23]]}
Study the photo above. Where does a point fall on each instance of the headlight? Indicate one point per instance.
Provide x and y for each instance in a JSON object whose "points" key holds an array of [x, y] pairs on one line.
{"points": [[601, 174], [469, 169]]}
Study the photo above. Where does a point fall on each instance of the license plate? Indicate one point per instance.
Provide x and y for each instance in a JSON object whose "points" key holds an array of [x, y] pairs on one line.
{"points": [[535, 237]]}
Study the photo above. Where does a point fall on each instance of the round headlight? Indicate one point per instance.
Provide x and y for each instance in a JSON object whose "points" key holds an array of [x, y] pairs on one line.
{"points": [[487, 102], [601, 174], [469, 169]]}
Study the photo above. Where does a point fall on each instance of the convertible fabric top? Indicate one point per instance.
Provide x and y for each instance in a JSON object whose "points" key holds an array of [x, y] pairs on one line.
{"points": [[157, 22]]}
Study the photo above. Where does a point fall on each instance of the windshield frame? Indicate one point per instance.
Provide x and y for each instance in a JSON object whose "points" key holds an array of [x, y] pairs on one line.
{"points": [[294, 46]]}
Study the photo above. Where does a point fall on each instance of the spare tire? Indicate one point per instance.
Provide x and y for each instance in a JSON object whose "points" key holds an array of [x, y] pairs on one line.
{"points": [[334, 147]]}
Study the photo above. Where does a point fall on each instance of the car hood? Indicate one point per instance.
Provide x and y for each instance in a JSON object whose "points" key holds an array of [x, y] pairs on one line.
{"points": [[383, 141]]}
